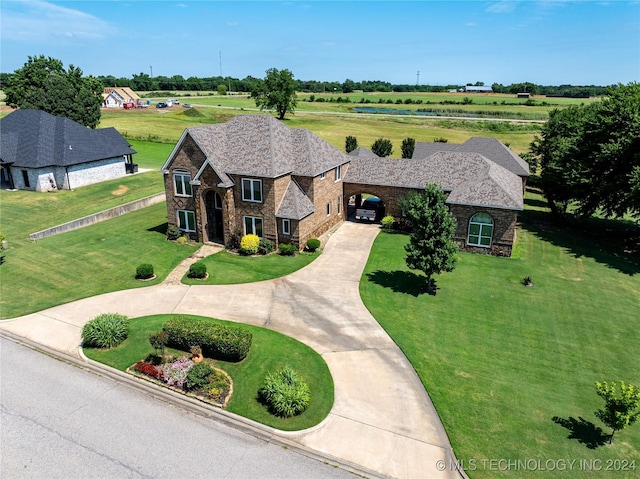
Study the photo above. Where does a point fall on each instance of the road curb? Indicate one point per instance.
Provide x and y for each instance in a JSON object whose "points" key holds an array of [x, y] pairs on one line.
{"points": [[248, 426]]}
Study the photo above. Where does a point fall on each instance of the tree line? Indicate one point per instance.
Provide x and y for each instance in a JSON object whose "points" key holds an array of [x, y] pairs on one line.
{"points": [[145, 82]]}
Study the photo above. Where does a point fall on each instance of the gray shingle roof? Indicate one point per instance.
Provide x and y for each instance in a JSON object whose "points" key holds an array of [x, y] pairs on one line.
{"points": [[36, 139], [362, 152], [470, 178], [260, 145], [491, 148], [295, 204]]}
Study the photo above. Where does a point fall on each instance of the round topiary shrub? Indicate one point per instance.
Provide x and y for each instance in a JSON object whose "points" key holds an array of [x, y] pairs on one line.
{"points": [[284, 393], [198, 377], [144, 271], [313, 244], [249, 244], [105, 331], [387, 222], [198, 270], [287, 249]]}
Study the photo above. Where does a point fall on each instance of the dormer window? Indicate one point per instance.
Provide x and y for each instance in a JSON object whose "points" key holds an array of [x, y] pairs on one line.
{"points": [[182, 182]]}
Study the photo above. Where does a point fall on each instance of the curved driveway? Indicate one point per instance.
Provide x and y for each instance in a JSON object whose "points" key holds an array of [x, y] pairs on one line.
{"points": [[382, 419]]}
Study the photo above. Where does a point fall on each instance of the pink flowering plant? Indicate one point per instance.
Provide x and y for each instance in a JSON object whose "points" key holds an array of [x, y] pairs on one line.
{"points": [[175, 373]]}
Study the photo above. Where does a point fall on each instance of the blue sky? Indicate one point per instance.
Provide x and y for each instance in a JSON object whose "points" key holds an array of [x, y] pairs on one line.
{"points": [[449, 42]]}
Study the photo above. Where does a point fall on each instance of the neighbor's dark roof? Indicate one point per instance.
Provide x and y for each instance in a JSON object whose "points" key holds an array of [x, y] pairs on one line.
{"points": [[36, 139], [491, 148], [260, 145], [470, 178]]}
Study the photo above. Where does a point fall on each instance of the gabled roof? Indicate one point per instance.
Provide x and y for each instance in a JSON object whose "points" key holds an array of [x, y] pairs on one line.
{"points": [[362, 152], [36, 139], [260, 145], [491, 148], [124, 93], [295, 204], [470, 178]]}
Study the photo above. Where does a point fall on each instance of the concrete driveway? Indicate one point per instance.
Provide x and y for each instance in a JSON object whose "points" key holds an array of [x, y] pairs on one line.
{"points": [[382, 419]]}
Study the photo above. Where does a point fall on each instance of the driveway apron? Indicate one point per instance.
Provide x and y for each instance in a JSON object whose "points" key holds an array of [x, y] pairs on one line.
{"points": [[382, 418]]}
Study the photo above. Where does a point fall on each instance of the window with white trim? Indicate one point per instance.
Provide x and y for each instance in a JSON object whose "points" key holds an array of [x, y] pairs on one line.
{"points": [[480, 230], [323, 175], [186, 220], [338, 172], [286, 227], [182, 183], [253, 225], [328, 209], [252, 190]]}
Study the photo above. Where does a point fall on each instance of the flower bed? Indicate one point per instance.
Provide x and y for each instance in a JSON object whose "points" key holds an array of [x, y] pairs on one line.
{"points": [[203, 381]]}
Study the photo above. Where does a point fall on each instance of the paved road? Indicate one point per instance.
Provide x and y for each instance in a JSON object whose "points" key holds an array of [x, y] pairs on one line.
{"points": [[61, 421]]}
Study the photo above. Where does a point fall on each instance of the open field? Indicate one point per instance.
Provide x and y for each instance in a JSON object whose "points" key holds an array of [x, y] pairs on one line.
{"points": [[501, 361]]}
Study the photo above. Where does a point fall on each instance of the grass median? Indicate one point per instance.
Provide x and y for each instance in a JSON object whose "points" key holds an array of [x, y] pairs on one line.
{"points": [[270, 351]]}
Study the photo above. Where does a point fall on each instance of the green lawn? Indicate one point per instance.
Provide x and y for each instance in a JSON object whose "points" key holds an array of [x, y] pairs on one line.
{"points": [[270, 351], [500, 360], [228, 268]]}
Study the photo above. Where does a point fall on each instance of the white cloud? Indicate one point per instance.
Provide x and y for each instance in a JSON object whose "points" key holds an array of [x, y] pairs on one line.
{"points": [[38, 21], [471, 24], [232, 24], [504, 6]]}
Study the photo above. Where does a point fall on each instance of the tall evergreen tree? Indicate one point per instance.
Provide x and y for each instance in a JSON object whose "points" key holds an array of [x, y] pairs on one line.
{"points": [[350, 143], [408, 145]]}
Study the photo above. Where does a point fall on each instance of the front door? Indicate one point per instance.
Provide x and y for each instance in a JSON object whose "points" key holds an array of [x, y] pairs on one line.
{"points": [[214, 227]]}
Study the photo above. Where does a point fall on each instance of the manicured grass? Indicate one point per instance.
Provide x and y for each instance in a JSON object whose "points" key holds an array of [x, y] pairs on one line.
{"points": [[500, 360], [269, 352], [86, 262], [151, 155], [228, 268]]}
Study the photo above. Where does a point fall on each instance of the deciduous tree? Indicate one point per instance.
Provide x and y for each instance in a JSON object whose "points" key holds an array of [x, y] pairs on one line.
{"points": [[350, 143], [43, 84], [619, 411], [431, 248], [277, 91]]}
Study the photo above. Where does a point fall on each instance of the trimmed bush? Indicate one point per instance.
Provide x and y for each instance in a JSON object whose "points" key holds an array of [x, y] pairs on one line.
{"points": [[198, 377], [287, 249], [387, 222], [144, 271], [197, 270], [173, 233], [158, 341], [105, 331], [266, 246], [249, 244], [216, 340], [149, 369], [313, 244], [284, 393]]}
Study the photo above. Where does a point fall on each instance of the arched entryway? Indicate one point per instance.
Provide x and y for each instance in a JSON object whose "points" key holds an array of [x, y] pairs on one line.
{"points": [[214, 227]]}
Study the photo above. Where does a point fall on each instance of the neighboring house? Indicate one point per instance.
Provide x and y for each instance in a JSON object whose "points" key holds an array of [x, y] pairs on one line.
{"points": [[42, 152], [116, 97], [255, 175]]}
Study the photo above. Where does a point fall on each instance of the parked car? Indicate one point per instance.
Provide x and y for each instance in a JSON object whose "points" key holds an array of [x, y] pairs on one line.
{"points": [[161, 105], [371, 209], [187, 105]]}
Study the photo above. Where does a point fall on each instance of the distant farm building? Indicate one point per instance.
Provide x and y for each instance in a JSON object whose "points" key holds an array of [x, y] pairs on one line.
{"points": [[524, 95], [476, 89]]}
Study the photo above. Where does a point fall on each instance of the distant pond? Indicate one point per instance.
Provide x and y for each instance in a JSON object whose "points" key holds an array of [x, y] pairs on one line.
{"points": [[393, 111]]}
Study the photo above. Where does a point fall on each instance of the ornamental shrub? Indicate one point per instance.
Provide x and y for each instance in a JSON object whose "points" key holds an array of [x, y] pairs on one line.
{"points": [[198, 377], [249, 244], [105, 331], [218, 341], [158, 341], [284, 393], [218, 387], [173, 233], [266, 246], [387, 222], [287, 249], [149, 369], [197, 270], [144, 271], [313, 244]]}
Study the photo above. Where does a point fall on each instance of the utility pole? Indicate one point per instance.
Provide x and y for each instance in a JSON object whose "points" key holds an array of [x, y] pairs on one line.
{"points": [[418, 78], [151, 68]]}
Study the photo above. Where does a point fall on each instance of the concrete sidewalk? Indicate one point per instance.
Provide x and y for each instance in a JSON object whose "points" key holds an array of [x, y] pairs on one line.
{"points": [[382, 419]]}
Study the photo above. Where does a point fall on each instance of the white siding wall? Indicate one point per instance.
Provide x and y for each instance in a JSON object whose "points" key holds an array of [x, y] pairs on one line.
{"points": [[95, 172]]}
